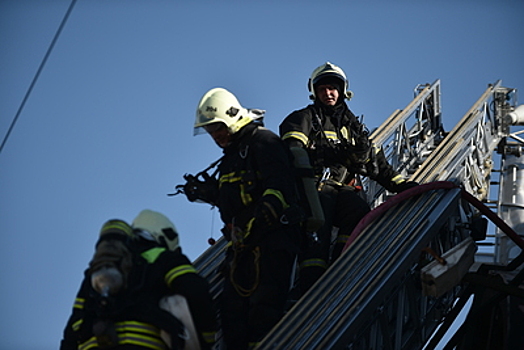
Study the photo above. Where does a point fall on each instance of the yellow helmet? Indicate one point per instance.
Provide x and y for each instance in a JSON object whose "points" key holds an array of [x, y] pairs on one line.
{"points": [[329, 70], [220, 106], [158, 226]]}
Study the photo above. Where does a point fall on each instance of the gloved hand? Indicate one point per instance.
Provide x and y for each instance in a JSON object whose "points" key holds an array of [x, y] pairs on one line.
{"points": [[360, 150], [202, 191], [403, 186], [268, 211]]}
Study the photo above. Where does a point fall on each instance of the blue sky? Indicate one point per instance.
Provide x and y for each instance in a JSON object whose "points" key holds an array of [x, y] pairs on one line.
{"points": [[107, 130]]}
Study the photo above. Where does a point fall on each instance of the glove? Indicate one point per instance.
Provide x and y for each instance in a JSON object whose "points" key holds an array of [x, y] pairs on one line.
{"points": [[403, 186], [268, 211], [205, 191], [361, 149]]}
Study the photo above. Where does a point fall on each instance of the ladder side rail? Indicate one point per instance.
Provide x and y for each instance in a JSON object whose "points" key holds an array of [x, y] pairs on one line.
{"points": [[474, 126], [408, 136], [509, 204], [312, 318], [448, 160], [466, 154], [400, 281]]}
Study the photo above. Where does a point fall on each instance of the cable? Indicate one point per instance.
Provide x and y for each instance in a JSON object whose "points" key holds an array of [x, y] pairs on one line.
{"points": [[73, 2]]}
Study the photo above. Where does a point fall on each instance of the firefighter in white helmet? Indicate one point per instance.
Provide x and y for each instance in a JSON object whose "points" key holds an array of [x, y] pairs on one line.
{"points": [[339, 151], [257, 204], [141, 292]]}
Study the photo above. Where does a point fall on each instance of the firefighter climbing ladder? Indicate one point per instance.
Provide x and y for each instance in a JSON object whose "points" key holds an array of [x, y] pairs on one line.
{"points": [[389, 289]]}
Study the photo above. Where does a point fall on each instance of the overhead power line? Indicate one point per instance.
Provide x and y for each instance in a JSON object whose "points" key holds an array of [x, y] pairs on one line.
{"points": [[42, 64]]}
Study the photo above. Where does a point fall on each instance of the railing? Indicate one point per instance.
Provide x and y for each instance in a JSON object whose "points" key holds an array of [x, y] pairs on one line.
{"points": [[371, 297]]}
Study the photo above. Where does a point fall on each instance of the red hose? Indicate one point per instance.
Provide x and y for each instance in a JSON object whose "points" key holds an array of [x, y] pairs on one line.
{"points": [[437, 185], [514, 236]]}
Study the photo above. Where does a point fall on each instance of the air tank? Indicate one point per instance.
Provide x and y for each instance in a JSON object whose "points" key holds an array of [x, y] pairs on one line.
{"points": [[315, 218]]}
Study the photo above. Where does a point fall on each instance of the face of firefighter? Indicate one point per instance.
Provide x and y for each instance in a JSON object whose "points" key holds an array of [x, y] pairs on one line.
{"points": [[219, 133], [327, 94]]}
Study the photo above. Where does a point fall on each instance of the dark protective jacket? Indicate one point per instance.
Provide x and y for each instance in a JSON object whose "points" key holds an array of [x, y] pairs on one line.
{"points": [[256, 164], [256, 176], [335, 139], [134, 314]]}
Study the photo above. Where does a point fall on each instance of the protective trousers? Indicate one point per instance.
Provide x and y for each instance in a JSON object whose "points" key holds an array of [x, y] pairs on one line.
{"points": [[254, 295], [343, 208]]}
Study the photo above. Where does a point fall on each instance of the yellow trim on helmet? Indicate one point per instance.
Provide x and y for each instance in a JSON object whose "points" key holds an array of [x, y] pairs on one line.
{"points": [[239, 123], [117, 225]]}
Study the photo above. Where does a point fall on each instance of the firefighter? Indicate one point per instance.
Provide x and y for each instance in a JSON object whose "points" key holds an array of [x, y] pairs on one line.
{"points": [[257, 204], [339, 151], [141, 292]]}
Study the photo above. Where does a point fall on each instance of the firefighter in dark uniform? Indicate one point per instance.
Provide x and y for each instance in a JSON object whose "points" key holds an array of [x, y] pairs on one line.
{"points": [[141, 292], [339, 150], [257, 204]]}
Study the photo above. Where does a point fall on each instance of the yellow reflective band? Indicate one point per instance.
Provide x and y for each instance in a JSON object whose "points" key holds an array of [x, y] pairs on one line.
{"points": [[77, 324], [135, 326], [344, 132], [296, 135], [128, 339], [132, 333], [209, 337], [398, 179], [277, 194], [143, 341], [342, 238], [79, 303], [248, 227], [246, 197], [89, 344], [313, 263], [177, 272], [232, 178], [152, 254], [331, 135], [139, 333]]}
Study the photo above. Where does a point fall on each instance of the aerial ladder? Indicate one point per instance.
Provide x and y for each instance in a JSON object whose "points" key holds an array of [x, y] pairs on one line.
{"points": [[415, 261]]}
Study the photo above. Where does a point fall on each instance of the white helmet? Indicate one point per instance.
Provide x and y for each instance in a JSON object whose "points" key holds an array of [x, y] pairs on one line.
{"points": [[220, 105], [158, 226], [327, 70]]}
